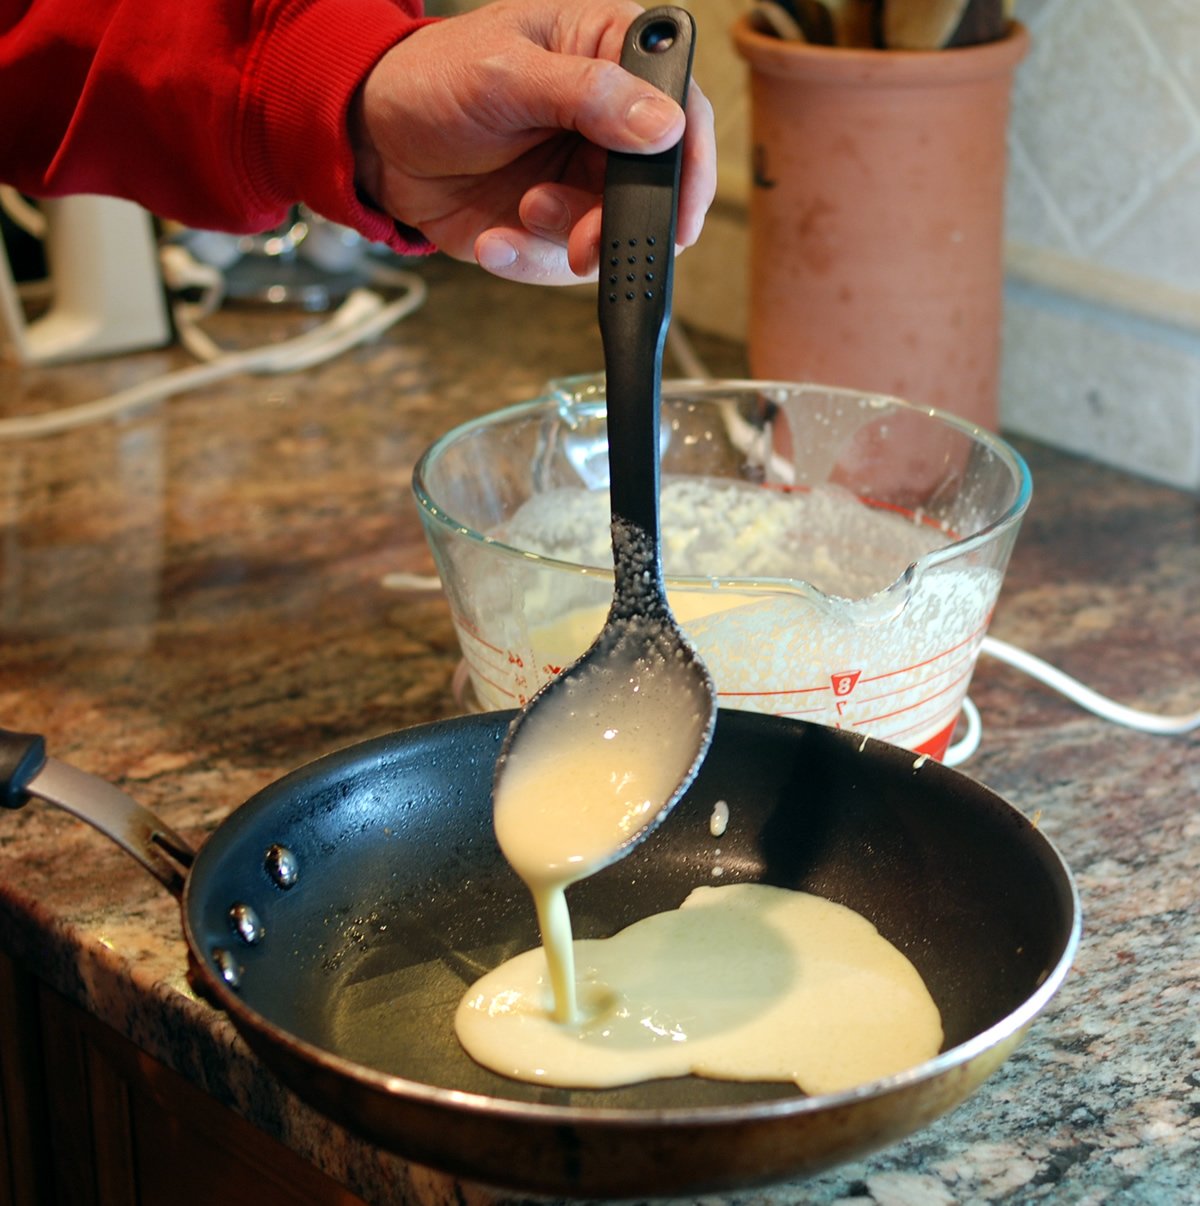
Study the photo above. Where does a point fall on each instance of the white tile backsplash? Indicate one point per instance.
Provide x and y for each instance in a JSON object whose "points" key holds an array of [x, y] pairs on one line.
{"points": [[1104, 202], [1097, 118], [1103, 121], [1162, 239], [1103, 383], [1174, 28]]}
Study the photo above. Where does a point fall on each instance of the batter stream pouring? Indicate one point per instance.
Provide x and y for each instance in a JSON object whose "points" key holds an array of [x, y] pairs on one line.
{"points": [[602, 753]]}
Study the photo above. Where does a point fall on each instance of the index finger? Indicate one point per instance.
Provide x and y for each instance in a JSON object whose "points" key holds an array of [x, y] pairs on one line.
{"points": [[698, 175]]}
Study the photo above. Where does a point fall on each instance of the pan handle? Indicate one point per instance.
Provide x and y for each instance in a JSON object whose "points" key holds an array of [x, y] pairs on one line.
{"points": [[26, 771]]}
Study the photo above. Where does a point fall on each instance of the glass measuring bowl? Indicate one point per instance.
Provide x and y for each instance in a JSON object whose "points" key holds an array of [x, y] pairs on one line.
{"points": [[833, 555]]}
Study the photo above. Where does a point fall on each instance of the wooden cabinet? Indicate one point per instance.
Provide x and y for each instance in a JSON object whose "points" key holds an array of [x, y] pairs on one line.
{"points": [[88, 1119]]}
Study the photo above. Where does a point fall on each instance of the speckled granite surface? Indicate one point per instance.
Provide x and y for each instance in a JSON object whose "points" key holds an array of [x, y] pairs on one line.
{"points": [[192, 604]]}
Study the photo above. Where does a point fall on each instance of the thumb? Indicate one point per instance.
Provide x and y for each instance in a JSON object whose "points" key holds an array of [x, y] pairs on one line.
{"points": [[605, 103]]}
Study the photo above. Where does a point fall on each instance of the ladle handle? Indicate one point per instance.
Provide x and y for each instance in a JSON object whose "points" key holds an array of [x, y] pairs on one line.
{"points": [[637, 256]]}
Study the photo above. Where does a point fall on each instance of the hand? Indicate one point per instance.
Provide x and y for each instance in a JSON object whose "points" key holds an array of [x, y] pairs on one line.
{"points": [[487, 132]]}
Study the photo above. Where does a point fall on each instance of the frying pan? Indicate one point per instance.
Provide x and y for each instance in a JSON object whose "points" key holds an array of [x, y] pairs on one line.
{"points": [[339, 914]]}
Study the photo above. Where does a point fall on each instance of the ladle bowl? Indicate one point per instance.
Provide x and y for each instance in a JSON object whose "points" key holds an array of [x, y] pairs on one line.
{"points": [[639, 699]]}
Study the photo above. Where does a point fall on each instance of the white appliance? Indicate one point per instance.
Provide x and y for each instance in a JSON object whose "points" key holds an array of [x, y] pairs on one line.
{"points": [[107, 291]]}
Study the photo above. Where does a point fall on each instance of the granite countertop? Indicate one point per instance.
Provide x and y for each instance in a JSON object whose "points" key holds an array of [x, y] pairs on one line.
{"points": [[194, 602]]}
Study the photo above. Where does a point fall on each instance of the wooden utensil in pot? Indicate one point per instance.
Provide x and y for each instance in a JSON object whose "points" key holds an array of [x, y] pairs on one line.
{"points": [[938, 24]]}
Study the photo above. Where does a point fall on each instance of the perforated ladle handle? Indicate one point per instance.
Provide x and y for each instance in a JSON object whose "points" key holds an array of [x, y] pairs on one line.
{"points": [[637, 256]]}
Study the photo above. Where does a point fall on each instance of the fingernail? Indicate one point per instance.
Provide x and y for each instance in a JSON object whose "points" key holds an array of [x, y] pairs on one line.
{"points": [[494, 253], [545, 211], [650, 117]]}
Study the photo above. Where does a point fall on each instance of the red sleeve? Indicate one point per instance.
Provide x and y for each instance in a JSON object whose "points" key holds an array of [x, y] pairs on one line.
{"points": [[220, 114]]}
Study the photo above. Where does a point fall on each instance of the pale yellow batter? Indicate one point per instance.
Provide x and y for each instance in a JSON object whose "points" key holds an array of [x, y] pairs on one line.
{"points": [[582, 783], [743, 982]]}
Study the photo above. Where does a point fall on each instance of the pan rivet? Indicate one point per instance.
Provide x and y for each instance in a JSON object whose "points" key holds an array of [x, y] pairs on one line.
{"points": [[229, 969], [246, 924], [282, 866]]}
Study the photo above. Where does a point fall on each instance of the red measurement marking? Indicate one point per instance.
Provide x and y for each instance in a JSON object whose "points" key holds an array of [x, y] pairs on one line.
{"points": [[969, 639], [925, 682], [491, 682], [971, 636], [771, 694], [909, 707], [844, 682], [482, 663], [937, 718], [817, 711], [472, 632]]}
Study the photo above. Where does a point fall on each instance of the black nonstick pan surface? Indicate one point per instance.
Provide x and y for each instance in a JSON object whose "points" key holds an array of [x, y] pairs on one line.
{"points": [[346, 981]]}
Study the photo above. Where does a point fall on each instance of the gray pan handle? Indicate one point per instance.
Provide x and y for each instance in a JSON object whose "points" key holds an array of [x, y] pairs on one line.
{"points": [[26, 771]]}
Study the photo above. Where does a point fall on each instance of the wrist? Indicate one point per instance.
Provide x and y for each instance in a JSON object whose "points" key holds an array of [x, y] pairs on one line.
{"points": [[368, 163]]}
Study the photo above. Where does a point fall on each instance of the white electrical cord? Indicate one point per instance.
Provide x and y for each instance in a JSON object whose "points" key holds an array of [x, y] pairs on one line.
{"points": [[968, 743], [1085, 697], [742, 434], [1074, 690], [364, 315]]}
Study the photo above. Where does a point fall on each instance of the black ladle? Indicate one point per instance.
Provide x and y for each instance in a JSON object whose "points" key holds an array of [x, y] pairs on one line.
{"points": [[640, 674]]}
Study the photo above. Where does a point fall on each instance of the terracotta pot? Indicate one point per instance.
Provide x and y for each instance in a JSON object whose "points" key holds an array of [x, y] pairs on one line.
{"points": [[877, 217]]}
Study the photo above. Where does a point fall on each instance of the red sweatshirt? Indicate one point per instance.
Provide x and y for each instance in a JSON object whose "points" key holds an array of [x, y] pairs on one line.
{"points": [[218, 113]]}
